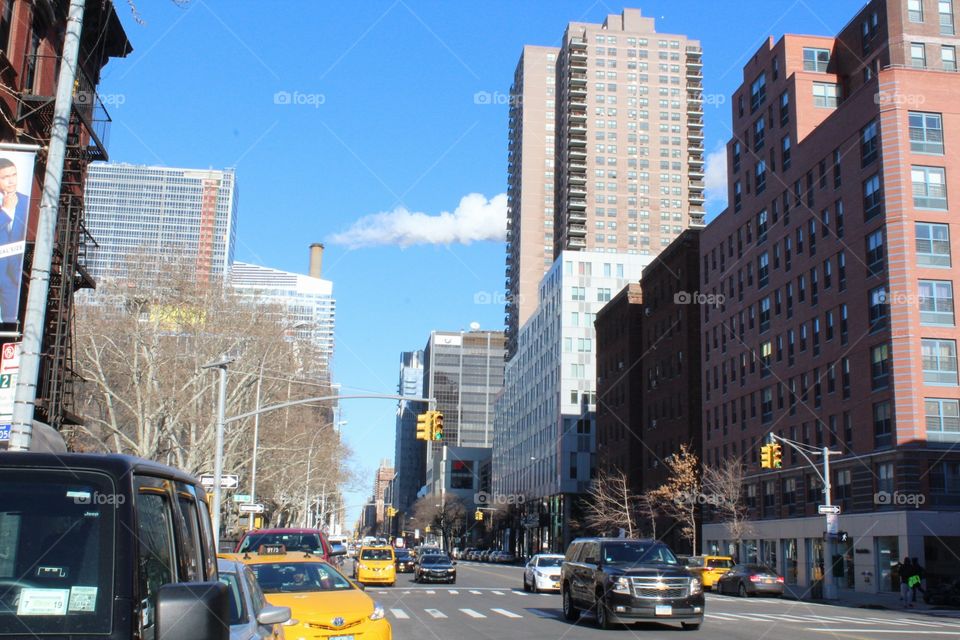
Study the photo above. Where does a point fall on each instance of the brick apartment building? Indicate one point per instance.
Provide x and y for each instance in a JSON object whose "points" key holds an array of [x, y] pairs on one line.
{"points": [[835, 257]]}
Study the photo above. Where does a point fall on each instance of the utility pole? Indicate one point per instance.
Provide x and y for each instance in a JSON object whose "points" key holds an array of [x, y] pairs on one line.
{"points": [[256, 442], [218, 453], [24, 404]]}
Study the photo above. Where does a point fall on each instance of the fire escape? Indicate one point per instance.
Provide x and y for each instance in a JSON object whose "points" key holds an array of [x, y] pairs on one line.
{"points": [[86, 142]]}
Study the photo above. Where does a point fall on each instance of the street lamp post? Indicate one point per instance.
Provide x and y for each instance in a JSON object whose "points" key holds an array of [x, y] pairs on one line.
{"points": [[218, 452]]}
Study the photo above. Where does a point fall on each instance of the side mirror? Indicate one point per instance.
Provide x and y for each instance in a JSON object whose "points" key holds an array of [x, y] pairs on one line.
{"points": [[193, 611], [270, 615], [454, 562], [338, 550], [359, 585]]}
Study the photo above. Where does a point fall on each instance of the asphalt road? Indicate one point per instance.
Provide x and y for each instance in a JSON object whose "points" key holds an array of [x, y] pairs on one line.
{"points": [[488, 602]]}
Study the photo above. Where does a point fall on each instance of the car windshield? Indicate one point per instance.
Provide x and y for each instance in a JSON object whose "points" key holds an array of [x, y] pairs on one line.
{"points": [[376, 554], [436, 560], [550, 562], [286, 577], [720, 563], [636, 553], [56, 552], [403, 555], [292, 541], [236, 598]]}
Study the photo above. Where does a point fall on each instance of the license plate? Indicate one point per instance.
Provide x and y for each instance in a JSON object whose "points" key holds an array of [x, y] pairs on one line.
{"points": [[341, 638], [664, 610]]}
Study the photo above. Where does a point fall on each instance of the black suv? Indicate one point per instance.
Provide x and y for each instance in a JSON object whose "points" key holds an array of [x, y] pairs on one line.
{"points": [[623, 580]]}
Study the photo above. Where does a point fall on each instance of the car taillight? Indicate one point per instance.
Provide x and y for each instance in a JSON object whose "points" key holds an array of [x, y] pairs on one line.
{"points": [[756, 578], [780, 579], [708, 568]]}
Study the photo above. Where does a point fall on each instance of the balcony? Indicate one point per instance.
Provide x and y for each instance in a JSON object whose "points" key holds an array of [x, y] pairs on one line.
{"points": [[579, 217], [576, 243], [695, 160], [578, 116], [577, 142], [577, 167], [697, 184], [694, 135], [578, 44], [578, 92], [577, 192], [578, 130], [577, 231], [577, 154], [697, 198], [578, 79], [576, 205], [696, 174], [694, 109], [577, 178], [694, 75], [694, 98], [578, 56]]}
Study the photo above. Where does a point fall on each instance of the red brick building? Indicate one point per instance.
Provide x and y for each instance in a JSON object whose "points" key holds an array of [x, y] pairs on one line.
{"points": [[836, 258], [31, 47]]}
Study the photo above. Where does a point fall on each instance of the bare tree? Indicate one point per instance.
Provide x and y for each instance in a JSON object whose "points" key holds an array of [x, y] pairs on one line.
{"points": [[682, 492], [649, 508], [443, 514], [723, 490], [611, 505]]}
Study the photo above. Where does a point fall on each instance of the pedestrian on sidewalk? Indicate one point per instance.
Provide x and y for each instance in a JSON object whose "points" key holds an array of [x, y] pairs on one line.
{"points": [[921, 582], [904, 569]]}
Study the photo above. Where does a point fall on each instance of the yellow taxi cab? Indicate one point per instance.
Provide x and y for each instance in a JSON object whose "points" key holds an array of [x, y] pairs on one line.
{"points": [[325, 604], [710, 568], [375, 565]]}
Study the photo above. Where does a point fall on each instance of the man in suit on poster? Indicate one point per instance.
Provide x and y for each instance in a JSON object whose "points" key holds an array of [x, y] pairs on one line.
{"points": [[14, 209]]}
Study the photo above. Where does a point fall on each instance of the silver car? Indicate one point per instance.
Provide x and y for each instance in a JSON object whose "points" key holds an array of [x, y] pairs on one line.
{"points": [[542, 573], [251, 617]]}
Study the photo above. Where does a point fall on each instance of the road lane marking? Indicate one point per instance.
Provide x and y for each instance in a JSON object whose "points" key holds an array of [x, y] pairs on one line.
{"points": [[431, 592], [508, 614], [472, 613], [435, 613], [399, 614], [475, 592], [497, 593], [900, 631], [453, 592]]}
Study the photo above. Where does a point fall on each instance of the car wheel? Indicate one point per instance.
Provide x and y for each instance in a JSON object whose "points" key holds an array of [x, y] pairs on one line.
{"points": [[533, 585], [602, 613], [526, 587], [743, 590], [570, 612], [690, 626]]}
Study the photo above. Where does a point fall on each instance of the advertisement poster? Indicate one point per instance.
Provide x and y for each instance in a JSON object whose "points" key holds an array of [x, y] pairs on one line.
{"points": [[16, 180]]}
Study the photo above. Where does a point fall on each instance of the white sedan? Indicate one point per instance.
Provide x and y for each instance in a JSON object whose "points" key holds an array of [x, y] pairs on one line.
{"points": [[542, 573]]}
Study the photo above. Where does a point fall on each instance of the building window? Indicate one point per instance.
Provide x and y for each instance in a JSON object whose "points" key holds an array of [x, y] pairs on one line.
{"points": [[933, 244], [758, 92], [761, 178], [872, 196], [915, 10], [948, 57], [939, 361], [842, 486], [929, 187], [579, 293], [603, 295], [880, 365], [785, 152], [825, 94], [736, 157], [784, 108], [816, 59], [878, 308], [918, 55], [763, 270], [759, 128], [926, 132], [882, 424], [885, 482], [6, 19], [942, 419], [868, 143], [945, 9], [936, 302], [737, 196], [765, 314]]}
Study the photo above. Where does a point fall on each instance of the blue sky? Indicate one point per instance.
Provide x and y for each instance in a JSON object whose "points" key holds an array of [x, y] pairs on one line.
{"points": [[334, 111]]}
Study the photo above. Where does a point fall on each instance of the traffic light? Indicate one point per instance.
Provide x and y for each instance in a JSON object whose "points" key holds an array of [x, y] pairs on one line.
{"points": [[424, 426], [478, 516], [766, 456], [437, 430], [777, 455]]}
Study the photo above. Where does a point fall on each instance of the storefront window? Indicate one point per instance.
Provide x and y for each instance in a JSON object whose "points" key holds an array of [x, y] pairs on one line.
{"points": [[768, 553], [751, 552], [814, 559], [888, 554], [789, 549]]}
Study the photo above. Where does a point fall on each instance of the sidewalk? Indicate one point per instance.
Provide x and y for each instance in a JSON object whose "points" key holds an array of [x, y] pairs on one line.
{"points": [[860, 600]]}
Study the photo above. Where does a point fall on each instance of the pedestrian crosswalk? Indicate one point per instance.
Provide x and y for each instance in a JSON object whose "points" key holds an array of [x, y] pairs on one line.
{"points": [[830, 621], [437, 614], [459, 592]]}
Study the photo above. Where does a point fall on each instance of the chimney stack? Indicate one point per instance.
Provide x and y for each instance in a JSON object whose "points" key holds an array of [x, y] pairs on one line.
{"points": [[316, 260]]}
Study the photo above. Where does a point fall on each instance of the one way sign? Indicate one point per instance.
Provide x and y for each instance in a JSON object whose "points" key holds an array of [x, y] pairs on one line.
{"points": [[227, 481]]}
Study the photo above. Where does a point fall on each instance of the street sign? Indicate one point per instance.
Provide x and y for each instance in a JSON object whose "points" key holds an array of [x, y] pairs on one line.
{"points": [[9, 366], [241, 497], [4, 433], [227, 481], [828, 509], [251, 507]]}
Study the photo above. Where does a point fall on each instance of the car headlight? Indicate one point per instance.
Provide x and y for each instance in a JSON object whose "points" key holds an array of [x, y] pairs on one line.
{"points": [[695, 586], [378, 612], [361, 566], [451, 570], [620, 585]]}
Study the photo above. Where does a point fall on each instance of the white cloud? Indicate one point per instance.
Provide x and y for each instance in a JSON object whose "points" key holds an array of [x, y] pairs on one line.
{"points": [[715, 175], [474, 219]]}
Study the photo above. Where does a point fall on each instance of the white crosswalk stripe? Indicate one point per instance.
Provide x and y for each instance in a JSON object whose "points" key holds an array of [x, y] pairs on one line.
{"points": [[508, 614], [430, 592], [399, 614], [497, 593], [453, 592], [476, 593], [435, 613], [472, 613]]}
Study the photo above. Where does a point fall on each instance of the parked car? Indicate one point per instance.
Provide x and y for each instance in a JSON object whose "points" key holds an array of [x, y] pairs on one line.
{"points": [[626, 580], [295, 539], [118, 548], [751, 580], [542, 572], [709, 568], [505, 557], [251, 617]]}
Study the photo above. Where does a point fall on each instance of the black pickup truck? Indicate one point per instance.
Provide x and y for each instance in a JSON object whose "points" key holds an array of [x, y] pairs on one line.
{"points": [[107, 547], [624, 580]]}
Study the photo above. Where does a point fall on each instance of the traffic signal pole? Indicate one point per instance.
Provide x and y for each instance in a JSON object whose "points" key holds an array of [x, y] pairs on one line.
{"points": [[829, 588]]}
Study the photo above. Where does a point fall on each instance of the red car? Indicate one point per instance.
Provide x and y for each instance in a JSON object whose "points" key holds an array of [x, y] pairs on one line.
{"points": [[311, 540]]}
